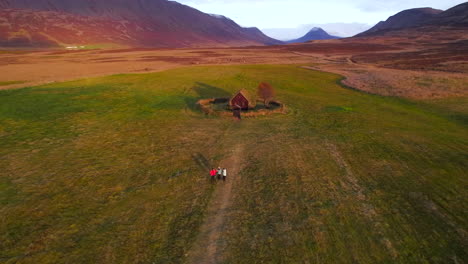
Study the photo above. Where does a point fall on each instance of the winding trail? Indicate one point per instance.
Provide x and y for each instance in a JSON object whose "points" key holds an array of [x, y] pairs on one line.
{"points": [[206, 248]]}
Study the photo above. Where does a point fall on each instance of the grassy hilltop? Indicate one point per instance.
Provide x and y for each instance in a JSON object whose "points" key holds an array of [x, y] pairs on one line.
{"points": [[114, 170]]}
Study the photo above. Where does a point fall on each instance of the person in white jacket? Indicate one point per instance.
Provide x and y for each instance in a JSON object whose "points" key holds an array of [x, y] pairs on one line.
{"points": [[224, 174]]}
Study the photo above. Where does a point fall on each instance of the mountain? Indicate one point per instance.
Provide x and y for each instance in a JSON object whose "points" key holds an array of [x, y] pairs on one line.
{"points": [[405, 19], [419, 17], [455, 16], [315, 33], [335, 29], [144, 23]]}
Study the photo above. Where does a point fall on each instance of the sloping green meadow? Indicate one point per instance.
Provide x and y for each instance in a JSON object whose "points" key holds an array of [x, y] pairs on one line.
{"points": [[114, 170]]}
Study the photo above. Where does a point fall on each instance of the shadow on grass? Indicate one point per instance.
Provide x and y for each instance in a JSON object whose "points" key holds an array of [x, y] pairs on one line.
{"points": [[201, 161], [204, 91]]}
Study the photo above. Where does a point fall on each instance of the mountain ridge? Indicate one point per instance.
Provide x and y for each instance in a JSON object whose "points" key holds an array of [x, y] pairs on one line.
{"points": [[155, 23], [419, 17]]}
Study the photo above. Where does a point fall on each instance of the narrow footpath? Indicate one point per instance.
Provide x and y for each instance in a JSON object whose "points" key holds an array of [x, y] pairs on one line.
{"points": [[206, 248]]}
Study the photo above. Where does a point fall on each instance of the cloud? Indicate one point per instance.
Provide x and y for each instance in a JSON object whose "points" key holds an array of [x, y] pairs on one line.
{"points": [[364, 5], [292, 13], [400, 5]]}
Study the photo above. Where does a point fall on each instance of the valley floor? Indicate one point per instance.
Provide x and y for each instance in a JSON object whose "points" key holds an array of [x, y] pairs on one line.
{"points": [[115, 170], [426, 68]]}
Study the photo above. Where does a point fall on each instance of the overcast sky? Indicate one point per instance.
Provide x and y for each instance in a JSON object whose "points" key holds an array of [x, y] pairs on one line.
{"points": [[294, 13]]}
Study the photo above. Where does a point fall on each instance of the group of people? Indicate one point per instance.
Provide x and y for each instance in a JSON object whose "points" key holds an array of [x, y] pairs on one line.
{"points": [[218, 173]]}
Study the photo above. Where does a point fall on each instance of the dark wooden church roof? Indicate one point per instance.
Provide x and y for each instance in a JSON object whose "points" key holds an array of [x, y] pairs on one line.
{"points": [[251, 100]]}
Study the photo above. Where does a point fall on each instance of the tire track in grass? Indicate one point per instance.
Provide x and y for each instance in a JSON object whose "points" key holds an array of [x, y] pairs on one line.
{"points": [[367, 209]]}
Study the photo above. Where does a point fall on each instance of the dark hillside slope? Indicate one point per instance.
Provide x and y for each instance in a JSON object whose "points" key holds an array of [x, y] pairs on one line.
{"points": [[157, 23], [422, 17], [455, 16], [404, 19]]}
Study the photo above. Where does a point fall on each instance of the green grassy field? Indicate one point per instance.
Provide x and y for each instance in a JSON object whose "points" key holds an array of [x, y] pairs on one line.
{"points": [[114, 170]]}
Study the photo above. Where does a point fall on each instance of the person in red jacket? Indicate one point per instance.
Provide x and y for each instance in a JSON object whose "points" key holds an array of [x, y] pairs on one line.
{"points": [[213, 174]]}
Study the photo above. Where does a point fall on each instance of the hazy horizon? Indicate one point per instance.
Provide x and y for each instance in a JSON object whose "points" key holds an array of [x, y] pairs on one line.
{"points": [[334, 29], [287, 20]]}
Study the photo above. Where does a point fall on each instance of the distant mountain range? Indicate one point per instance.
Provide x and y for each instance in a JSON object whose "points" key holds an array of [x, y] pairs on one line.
{"points": [[143, 23], [341, 30], [315, 33], [164, 24], [418, 17]]}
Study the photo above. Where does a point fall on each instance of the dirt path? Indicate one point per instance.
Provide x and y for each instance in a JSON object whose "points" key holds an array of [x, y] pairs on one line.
{"points": [[206, 247]]}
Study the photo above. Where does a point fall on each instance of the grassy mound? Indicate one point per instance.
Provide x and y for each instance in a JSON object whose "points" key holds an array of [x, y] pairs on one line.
{"points": [[114, 169]]}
